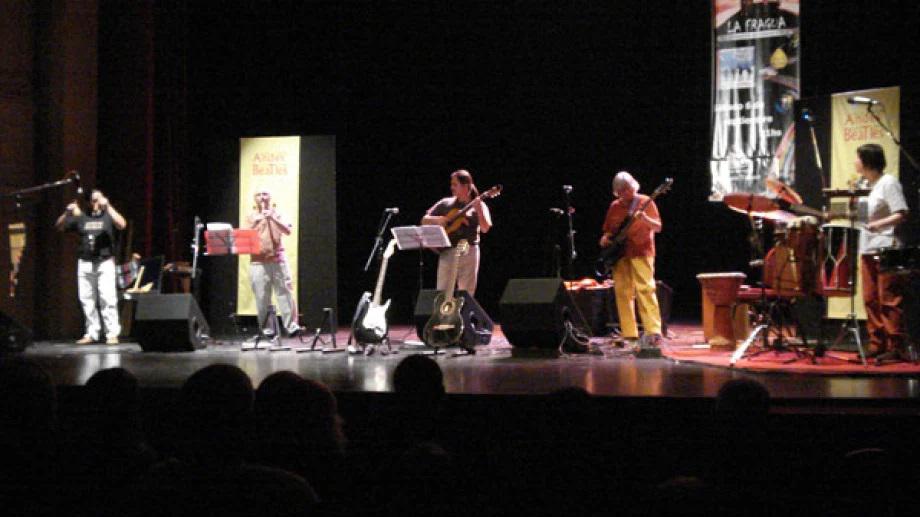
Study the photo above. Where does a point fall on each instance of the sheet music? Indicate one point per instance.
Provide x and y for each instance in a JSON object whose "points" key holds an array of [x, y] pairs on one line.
{"points": [[414, 237]]}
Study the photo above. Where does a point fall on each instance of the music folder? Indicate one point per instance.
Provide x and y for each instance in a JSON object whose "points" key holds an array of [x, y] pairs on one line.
{"points": [[426, 236]]}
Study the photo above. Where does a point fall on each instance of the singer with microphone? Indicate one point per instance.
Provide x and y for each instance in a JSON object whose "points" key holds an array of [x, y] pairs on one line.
{"points": [[268, 271], [634, 273], [475, 220], [96, 272], [885, 210]]}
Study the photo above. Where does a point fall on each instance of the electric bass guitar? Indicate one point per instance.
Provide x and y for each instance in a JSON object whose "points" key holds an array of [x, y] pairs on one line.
{"points": [[612, 254], [445, 326], [370, 321]]}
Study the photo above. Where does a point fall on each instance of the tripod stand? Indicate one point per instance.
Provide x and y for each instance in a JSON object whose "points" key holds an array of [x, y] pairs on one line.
{"points": [[268, 329], [771, 314], [330, 324], [850, 325]]}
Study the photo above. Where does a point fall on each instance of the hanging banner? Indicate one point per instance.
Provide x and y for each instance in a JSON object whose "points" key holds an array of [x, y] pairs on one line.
{"points": [[269, 164], [853, 125], [755, 83]]}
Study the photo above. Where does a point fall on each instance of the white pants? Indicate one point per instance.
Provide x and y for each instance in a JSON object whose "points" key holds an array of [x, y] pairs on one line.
{"points": [[467, 269], [97, 280], [274, 277]]}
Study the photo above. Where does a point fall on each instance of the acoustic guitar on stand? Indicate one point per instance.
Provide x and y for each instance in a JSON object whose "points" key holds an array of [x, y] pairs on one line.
{"points": [[445, 326]]}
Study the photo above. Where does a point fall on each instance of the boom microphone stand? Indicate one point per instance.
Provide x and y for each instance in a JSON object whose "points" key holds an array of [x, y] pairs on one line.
{"points": [[569, 212]]}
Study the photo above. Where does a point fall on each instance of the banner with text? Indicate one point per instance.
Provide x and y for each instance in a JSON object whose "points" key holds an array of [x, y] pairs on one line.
{"points": [[853, 125], [755, 83], [269, 164]]}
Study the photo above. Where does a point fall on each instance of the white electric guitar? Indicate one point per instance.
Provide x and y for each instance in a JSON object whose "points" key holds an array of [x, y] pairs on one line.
{"points": [[370, 322]]}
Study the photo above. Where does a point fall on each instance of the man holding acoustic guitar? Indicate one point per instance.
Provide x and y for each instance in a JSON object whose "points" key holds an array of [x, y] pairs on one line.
{"points": [[629, 240], [464, 216]]}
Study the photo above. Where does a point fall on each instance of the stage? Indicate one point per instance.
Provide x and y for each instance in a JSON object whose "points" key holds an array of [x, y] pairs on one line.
{"points": [[688, 373]]}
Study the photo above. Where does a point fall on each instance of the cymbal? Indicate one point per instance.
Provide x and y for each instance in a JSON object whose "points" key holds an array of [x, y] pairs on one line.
{"points": [[783, 191], [756, 205]]}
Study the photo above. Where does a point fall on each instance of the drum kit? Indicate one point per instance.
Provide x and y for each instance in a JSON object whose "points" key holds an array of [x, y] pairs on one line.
{"points": [[812, 255]]}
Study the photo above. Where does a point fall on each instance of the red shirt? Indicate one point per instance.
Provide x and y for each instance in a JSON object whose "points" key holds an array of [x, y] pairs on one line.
{"points": [[640, 238]]}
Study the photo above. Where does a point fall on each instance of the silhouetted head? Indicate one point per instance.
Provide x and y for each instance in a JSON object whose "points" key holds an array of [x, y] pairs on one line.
{"points": [[112, 399], [302, 408], [743, 397], [216, 407], [419, 376]]}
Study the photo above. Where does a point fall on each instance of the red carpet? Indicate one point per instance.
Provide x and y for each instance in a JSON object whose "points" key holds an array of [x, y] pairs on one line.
{"points": [[686, 347]]}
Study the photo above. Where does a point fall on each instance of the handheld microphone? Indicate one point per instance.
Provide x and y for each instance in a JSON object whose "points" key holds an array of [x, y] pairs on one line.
{"points": [[858, 99]]}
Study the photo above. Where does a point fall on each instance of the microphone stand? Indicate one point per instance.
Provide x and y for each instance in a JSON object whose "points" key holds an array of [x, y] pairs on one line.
{"points": [[569, 211], [378, 241]]}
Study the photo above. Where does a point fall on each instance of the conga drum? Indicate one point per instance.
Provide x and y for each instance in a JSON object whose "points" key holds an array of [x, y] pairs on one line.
{"points": [[793, 266], [720, 291]]}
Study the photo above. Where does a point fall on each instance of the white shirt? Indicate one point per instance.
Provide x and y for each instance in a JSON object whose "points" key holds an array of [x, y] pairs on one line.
{"points": [[886, 198]]}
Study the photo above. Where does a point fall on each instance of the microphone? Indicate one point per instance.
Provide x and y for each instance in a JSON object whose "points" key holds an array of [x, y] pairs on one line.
{"points": [[806, 115], [567, 189], [394, 210], [857, 99], [556, 211]]}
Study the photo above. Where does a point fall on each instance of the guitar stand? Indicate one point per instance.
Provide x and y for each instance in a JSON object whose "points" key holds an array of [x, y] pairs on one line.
{"points": [[270, 323], [330, 324]]}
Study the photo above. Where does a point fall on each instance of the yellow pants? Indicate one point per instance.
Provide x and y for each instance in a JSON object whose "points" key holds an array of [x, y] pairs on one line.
{"points": [[635, 278]]}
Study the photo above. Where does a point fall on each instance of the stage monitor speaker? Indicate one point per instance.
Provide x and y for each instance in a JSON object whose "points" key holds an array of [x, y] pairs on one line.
{"points": [[477, 325], [13, 336], [534, 311], [170, 323]]}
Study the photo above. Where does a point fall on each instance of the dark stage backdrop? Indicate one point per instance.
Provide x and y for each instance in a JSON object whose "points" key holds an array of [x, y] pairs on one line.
{"points": [[532, 95]]}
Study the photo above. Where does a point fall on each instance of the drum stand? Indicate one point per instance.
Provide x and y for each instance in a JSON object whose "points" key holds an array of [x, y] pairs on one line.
{"points": [[851, 324], [765, 310]]}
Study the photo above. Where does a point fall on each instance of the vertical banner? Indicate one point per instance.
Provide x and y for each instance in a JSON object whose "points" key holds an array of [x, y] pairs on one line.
{"points": [[271, 164], [853, 125], [755, 83]]}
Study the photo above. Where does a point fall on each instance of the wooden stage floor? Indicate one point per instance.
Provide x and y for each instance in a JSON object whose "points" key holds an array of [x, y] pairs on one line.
{"points": [[493, 370]]}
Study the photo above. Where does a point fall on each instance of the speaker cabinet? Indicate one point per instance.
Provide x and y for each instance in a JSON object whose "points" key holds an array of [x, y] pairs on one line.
{"points": [[170, 323], [534, 311], [13, 336], [477, 325]]}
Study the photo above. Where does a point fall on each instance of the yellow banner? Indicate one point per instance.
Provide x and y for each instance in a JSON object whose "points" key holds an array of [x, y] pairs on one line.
{"points": [[271, 164], [852, 125]]}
